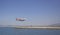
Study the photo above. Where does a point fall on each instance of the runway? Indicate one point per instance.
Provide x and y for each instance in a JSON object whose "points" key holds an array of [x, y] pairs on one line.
{"points": [[50, 28]]}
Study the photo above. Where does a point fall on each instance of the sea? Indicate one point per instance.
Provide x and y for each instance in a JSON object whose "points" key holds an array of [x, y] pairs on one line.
{"points": [[14, 31]]}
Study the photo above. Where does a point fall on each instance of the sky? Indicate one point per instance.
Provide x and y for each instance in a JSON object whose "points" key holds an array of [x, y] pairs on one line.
{"points": [[36, 12]]}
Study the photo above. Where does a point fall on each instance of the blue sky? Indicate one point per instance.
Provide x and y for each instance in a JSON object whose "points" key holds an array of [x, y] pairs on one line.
{"points": [[36, 12]]}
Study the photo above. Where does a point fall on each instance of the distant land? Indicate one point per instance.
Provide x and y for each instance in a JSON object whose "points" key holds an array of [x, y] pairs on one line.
{"points": [[49, 27], [52, 25], [55, 25]]}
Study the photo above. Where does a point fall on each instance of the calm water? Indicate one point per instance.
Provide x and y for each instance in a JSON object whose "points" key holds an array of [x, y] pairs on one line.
{"points": [[13, 31]]}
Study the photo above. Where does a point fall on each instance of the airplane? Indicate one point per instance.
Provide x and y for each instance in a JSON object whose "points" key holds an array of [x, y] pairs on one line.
{"points": [[20, 19]]}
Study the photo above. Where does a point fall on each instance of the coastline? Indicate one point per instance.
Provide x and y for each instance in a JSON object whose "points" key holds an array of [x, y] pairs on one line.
{"points": [[47, 28]]}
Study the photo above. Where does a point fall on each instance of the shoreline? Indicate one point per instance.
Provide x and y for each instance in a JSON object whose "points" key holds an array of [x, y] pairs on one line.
{"points": [[47, 28], [40, 28]]}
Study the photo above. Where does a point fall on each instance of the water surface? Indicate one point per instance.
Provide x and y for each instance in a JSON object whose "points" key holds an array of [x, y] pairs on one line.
{"points": [[14, 31]]}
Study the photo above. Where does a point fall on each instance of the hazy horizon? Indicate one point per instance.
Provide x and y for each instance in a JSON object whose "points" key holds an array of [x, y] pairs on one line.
{"points": [[36, 12]]}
